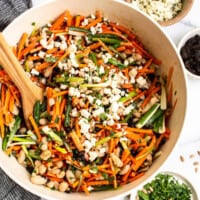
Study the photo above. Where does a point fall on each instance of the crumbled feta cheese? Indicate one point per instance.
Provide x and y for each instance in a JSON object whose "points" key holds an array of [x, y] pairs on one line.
{"points": [[93, 30], [85, 113], [142, 82], [158, 9], [84, 127], [35, 72], [74, 112], [74, 92], [128, 109], [92, 155], [41, 54], [132, 74], [98, 111], [88, 145], [106, 57], [51, 101], [101, 70], [63, 45]]}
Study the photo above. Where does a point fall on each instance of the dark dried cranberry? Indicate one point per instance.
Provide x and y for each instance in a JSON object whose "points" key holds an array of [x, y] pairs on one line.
{"points": [[190, 54]]}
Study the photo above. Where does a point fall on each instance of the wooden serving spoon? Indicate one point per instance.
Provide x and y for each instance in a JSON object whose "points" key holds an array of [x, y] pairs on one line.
{"points": [[30, 92]]}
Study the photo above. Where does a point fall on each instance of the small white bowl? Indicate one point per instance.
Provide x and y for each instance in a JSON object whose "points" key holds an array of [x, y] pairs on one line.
{"points": [[182, 42], [180, 178]]}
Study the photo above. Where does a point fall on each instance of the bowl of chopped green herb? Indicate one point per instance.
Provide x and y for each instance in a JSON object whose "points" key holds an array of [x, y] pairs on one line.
{"points": [[166, 185]]}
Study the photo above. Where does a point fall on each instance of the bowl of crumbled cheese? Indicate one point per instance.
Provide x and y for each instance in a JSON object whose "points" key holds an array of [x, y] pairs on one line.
{"points": [[165, 12]]}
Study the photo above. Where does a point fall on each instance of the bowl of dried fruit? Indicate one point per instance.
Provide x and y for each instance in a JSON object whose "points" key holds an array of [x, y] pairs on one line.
{"points": [[114, 104], [189, 49], [166, 13]]}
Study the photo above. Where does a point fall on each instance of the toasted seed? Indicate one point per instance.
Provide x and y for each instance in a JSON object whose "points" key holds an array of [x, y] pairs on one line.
{"points": [[182, 158], [191, 156], [196, 163]]}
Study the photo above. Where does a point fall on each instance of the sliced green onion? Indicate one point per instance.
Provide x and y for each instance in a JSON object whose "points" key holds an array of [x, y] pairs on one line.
{"points": [[48, 131], [128, 97], [147, 116]]}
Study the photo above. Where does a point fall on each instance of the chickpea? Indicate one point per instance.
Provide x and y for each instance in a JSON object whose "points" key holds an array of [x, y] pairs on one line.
{"points": [[55, 171], [78, 173], [70, 176], [21, 157], [44, 147], [45, 155], [42, 169], [38, 180], [61, 174], [124, 169], [59, 164], [63, 186], [50, 184], [43, 121], [116, 160], [37, 163]]}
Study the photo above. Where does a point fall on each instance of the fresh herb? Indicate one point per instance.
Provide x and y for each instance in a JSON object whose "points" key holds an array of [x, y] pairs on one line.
{"points": [[51, 59], [165, 187]]}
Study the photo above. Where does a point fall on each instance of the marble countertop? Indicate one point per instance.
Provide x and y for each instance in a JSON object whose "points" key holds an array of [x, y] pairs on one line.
{"points": [[189, 143]]}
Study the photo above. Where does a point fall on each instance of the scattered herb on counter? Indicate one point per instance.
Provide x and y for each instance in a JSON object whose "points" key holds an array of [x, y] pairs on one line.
{"points": [[164, 187]]}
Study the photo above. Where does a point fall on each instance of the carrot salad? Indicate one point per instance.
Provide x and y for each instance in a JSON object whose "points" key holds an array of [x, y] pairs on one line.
{"points": [[105, 109]]}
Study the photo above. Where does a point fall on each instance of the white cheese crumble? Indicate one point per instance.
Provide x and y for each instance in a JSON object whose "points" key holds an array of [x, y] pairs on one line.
{"points": [[159, 10]]}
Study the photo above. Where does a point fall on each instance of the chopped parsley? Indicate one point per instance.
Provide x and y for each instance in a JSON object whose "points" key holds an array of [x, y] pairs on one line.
{"points": [[165, 187]]}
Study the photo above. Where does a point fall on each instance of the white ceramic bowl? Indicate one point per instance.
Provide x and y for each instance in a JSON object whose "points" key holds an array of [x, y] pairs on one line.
{"points": [[180, 178], [182, 42], [154, 40]]}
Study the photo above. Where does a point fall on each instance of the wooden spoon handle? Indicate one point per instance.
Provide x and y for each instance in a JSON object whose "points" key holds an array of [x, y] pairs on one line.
{"points": [[11, 65]]}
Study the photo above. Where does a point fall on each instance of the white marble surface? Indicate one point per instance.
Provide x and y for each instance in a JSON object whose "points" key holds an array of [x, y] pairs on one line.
{"points": [[189, 142]]}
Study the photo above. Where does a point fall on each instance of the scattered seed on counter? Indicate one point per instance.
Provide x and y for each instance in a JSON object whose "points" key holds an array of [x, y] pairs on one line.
{"points": [[190, 54], [193, 159], [182, 158], [191, 156], [195, 163]]}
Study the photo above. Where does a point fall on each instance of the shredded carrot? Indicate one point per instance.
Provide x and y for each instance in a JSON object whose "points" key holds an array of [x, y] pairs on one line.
{"points": [[36, 129], [76, 140], [169, 76], [85, 189], [58, 22], [93, 183], [139, 130], [61, 58], [21, 44], [142, 155], [69, 18], [105, 47], [26, 50], [137, 176], [78, 20], [2, 125], [77, 128], [61, 93], [93, 22], [42, 66]]}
